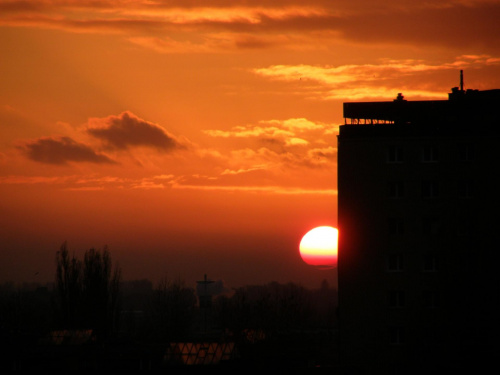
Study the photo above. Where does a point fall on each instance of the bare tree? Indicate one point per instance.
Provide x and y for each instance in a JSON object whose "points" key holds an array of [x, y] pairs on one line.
{"points": [[100, 287], [68, 284], [88, 291]]}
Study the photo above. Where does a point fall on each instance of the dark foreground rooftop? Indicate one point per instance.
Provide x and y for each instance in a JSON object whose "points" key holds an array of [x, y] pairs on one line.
{"points": [[461, 107]]}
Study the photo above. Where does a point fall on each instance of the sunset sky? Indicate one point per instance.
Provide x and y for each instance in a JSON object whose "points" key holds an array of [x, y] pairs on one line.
{"points": [[198, 137]]}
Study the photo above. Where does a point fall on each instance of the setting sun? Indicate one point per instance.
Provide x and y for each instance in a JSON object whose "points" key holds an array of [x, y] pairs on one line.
{"points": [[318, 247]]}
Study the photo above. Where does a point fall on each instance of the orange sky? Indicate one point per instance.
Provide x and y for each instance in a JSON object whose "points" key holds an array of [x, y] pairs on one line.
{"points": [[202, 139]]}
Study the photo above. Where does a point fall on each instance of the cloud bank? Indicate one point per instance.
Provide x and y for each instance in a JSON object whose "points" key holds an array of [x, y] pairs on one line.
{"points": [[242, 24], [269, 157], [289, 144]]}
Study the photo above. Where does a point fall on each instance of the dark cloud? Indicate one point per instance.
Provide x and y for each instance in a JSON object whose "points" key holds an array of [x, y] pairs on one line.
{"points": [[61, 151], [21, 6], [252, 42], [450, 23], [128, 130], [456, 26]]}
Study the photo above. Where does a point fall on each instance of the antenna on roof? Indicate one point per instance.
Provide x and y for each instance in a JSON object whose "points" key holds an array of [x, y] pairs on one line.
{"points": [[461, 80]]}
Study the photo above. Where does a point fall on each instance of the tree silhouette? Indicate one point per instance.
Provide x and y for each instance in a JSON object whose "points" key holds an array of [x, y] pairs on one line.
{"points": [[68, 285], [88, 290]]}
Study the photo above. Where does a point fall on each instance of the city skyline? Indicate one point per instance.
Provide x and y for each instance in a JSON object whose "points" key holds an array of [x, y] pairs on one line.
{"points": [[202, 140]]}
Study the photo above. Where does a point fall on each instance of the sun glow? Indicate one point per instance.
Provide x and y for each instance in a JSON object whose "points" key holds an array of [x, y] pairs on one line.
{"points": [[319, 248]]}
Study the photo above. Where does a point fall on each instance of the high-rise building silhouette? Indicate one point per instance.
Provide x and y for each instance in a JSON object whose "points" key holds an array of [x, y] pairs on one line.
{"points": [[418, 213]]}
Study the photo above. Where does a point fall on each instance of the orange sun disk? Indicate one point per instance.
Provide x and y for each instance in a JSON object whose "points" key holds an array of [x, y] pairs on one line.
{"points": [[319, 247]]}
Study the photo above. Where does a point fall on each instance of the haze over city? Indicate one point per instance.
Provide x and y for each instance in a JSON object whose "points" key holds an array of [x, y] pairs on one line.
{"points": [[200, 140]]}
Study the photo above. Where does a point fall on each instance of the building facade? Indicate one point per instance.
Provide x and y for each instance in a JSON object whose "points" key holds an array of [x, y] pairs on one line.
{"points": [[418, 212]]}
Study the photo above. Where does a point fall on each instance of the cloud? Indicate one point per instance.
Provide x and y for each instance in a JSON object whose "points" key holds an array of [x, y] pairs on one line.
{"points": [[244, 170], [229, 182], [270, 157], [282, 145], [169, 45], [250, 131], [145, 17], [277, 129], [265, 24], [127, 130], [452, 24], [342, 74], [321, 156], [263, 189], [274, 153], [217, 42], [62, 150], [297, 124], [296, 142], [31, 180], [362, 81]]}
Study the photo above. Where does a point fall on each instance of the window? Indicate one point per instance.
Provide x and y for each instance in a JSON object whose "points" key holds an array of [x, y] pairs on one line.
{"points": [[466, 224], [466, 152], [396, 225], [397, 369], [430, 263], [394, 154], [430, 189], [431, 299], [431, 225], [465, 189], [430, 154], [396, 299], [396, 335], [395, 263], [396, 189]]}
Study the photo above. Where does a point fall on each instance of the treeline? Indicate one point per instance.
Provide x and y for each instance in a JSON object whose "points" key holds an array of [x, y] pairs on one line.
{"points": [[88, 294], [167, 311], [275, 307], [171, 311]]}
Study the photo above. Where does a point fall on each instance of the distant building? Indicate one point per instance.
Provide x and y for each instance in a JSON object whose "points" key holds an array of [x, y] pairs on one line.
{"points": [[418, 213]]}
